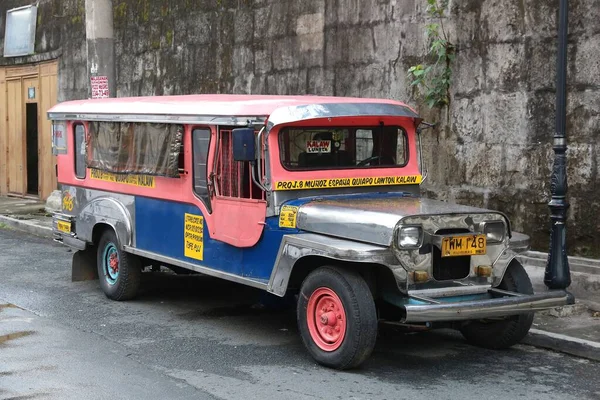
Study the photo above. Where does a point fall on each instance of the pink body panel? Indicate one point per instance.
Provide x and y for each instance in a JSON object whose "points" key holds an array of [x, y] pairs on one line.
{"points": [[279, 173], [238, 222]]}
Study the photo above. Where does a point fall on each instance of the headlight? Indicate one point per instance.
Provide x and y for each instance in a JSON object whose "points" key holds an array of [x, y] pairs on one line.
{"points": [[410, 237], [494, 231]]}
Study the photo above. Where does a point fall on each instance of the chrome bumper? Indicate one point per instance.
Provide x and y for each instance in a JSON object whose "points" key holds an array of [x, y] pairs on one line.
{"points": [[489, 308]]}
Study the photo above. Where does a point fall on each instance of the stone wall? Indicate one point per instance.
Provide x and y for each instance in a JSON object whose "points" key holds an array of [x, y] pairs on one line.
{"points": [[492, 146], [60, 34]]}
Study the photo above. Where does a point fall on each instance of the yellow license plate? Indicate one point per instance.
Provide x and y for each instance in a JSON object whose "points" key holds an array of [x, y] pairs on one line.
{"points": [[453, 246], [63, 226]]}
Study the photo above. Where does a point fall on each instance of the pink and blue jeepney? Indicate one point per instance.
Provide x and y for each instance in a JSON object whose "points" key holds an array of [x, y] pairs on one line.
{"points": [[317, 197]]}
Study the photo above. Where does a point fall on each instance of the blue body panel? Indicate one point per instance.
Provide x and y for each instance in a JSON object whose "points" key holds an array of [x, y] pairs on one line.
{"points": [[159, 228]]}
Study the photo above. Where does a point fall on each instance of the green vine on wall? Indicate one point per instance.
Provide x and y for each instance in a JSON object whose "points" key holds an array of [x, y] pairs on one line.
{"points": [[432, 80]]}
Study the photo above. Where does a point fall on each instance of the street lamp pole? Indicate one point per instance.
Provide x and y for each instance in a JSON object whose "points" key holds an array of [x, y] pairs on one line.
{"points": [[557, 274]]}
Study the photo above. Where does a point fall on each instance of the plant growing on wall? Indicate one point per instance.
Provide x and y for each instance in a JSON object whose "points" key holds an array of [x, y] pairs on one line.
{"points": [[432, 79]]}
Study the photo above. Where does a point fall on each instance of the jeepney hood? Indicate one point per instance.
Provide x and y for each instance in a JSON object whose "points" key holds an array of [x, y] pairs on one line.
{"points": [[372, 219]]}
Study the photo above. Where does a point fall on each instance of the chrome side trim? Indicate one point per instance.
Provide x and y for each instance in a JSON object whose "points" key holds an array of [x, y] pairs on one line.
{"points": [[491, 308], [197, 268], [295, 247], [159, 119], [450, 291]]}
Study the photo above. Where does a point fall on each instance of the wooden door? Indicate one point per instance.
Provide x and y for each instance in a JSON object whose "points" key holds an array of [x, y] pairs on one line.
{"points": [[16, 156], [3, 134]]}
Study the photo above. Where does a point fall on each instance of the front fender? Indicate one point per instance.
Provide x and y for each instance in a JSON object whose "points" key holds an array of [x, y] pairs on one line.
{"points": [[296, 247]]}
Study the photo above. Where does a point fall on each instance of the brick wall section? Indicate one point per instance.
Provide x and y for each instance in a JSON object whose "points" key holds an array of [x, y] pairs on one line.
{"points": [[493, 145]]}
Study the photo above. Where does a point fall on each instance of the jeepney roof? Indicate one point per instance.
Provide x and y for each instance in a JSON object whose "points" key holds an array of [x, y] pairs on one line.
{"points": [[224, 109]]}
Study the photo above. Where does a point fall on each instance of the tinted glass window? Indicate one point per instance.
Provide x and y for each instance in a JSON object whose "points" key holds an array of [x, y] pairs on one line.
{"points": [[201, 141], [80, 154], [334, 148]]}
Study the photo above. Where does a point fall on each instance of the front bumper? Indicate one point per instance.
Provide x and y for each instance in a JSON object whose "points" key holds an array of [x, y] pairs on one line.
{"points": [[68, 239], [512, 304]]}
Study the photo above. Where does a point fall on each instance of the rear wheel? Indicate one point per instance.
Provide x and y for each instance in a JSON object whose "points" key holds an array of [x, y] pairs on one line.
{"points": [[119, 272], [337, 318], [503, 333]]}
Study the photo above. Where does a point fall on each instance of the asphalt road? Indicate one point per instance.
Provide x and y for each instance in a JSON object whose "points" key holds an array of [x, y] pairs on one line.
{"points": [[193, 337]]}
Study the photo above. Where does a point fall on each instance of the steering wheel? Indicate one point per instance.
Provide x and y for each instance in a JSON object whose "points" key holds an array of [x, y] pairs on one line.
{"points": [[368, 161]]}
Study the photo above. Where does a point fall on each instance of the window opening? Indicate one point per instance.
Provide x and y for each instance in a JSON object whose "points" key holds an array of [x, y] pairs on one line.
{"points": [[200, 144], [80, 153], [233, 178], [135, 148], [338, 148]]}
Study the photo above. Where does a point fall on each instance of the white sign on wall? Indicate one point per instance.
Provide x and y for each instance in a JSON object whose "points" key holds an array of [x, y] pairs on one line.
{"points": [[19, 36], [99, 87]]}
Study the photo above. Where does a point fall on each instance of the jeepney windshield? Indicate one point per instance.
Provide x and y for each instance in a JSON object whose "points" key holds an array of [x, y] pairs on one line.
{"points": [[339, 148]]}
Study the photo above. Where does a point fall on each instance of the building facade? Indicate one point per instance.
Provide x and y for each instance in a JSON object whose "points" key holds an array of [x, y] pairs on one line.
{"points": [[492, 146]]}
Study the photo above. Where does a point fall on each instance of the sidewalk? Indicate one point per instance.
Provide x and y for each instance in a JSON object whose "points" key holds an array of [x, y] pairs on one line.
{"points": [[25, 215], [573, 329]]}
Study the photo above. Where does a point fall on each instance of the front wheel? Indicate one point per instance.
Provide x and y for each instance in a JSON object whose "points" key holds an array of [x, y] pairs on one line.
{"points": [[119, 272], [503, 333], [337, 318]]}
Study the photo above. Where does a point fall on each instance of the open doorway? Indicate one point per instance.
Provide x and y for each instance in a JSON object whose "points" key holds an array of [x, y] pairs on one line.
{"points": [[32, 148]]}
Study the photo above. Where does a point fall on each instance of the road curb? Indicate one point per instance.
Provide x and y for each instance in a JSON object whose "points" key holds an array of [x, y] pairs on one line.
{"points": [[27, 226], [563, 343]]}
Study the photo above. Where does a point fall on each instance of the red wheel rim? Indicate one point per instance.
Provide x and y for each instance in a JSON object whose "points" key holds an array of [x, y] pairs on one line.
{"points": [[326, 319]]}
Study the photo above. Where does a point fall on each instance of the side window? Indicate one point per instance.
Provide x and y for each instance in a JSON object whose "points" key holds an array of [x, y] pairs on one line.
{"points": [[201, 141], [135, 148], [80, 154], [234, 179]]}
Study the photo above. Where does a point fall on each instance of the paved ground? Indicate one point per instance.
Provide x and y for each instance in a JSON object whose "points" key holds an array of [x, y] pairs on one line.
{"points": [[196, 337]]}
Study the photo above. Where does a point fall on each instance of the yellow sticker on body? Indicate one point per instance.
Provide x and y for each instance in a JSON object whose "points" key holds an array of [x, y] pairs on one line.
{"points": [[133, 180], [193, 236], [287, 217], [348, 182]]}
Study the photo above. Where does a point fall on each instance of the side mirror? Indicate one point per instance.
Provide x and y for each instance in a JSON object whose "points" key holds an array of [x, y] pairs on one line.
{"points": [[244, 144]]}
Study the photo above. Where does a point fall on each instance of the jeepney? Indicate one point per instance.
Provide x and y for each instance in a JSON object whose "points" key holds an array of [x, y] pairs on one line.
{"points": [[313, 196]]}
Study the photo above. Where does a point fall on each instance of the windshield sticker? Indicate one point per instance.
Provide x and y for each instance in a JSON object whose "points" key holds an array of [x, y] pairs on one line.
{"points": [[287, 217], [348, 182], [133, 180], [318, 146], [193, 234]]}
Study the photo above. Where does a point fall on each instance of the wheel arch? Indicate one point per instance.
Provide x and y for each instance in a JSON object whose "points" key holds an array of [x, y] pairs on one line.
{"points": [[376, 275], [105, 213], [299, 255]]}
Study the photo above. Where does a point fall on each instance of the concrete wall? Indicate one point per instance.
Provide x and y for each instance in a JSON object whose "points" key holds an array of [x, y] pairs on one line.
{"points": [[493, 145]]}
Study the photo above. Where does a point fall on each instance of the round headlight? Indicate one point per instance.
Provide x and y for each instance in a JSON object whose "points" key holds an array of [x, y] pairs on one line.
{"points": [[410, 237], [494, 231]]}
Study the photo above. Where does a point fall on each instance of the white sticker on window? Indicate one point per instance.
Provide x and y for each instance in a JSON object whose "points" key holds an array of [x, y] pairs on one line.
{"points": [[59, 139], [318, 146]]}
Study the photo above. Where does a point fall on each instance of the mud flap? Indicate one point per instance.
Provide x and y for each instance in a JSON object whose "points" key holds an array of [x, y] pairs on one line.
{"points": [[83, 267]]}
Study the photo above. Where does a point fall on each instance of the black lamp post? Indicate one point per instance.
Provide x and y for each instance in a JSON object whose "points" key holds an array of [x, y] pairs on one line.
{"points": [[557, 274]]}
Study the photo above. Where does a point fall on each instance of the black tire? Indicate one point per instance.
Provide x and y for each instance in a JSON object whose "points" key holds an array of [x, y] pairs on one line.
{"points": [[126, 283], [359, 308], [504, 333]]}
